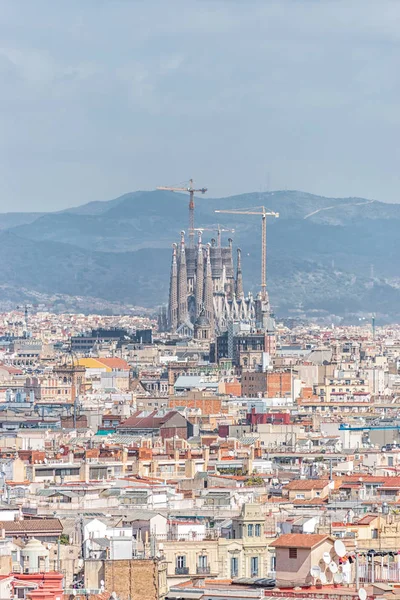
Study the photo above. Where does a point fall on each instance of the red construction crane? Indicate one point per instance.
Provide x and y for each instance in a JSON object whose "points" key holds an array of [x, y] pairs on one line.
{"points": [[191, 191]]}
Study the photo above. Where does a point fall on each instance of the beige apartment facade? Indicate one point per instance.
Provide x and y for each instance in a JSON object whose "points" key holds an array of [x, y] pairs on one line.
{"points": [[246, 553]]}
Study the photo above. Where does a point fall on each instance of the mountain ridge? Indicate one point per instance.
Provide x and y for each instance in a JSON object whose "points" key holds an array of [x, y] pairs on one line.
{"points": [[324, 254]]}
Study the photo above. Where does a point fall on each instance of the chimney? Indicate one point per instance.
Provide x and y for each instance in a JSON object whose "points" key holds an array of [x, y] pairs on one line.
{"points": [[206, 456]]}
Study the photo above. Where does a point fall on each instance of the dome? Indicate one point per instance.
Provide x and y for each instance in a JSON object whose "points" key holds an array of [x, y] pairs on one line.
{"points": [[202, 321], [34, 545]]}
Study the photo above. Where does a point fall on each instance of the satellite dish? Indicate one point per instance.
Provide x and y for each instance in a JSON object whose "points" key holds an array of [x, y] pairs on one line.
{"points": [[333, 567], [315, 571], [340, 548], [362, 594], [338, 578], [323, 578], [74, 592], [326, 557], [102, 582], [62, 450], [113, 595]]}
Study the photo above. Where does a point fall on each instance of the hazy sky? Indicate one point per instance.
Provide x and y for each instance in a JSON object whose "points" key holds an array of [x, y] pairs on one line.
{"points": [[101, 97]]}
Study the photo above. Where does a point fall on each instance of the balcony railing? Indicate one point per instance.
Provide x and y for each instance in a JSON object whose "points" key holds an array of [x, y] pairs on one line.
{"points": [[193, 536], [203, 570], [81, 591], [181, 570]]}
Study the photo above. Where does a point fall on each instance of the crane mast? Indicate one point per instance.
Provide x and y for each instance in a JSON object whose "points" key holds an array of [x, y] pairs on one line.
{"points": [[263, 256], [191, 191], [261, 210]]}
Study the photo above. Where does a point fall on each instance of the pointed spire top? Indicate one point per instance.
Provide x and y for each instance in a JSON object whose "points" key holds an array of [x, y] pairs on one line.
{"points": [[199, 242], [182, 241], [174, 260]]}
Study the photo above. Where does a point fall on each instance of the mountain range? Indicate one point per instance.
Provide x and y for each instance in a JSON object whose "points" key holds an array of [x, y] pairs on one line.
{"points": [[335, 256]]}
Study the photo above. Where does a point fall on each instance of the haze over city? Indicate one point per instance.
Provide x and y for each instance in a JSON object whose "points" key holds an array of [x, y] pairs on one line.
{"points": [[199, 300], [105, 97]]}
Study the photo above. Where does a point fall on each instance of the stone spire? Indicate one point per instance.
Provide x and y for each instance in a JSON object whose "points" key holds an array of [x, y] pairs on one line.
{"points": [[199, 277], [173, 292], [239, 278], [182, 284], [208, 292]]}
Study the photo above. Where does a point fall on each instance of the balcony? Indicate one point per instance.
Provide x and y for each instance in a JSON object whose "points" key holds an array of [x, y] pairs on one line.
{"points": [[203, 570], [181, 570], [193, 536]]}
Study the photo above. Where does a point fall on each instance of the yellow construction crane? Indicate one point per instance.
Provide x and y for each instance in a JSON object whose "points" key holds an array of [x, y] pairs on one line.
{"points": [[258, 210], [218, 229], [191, 191]]}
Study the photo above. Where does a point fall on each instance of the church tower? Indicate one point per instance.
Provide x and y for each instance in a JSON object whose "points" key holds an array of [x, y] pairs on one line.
{"points": [[173, 292], [239, 278], [199, 277], [182, 284], [208, 292]]}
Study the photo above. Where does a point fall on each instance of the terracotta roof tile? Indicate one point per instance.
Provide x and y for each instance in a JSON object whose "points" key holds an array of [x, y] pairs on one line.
{"points": [[32, 526], [307, 484], [366, 519], [299, 540], [391, 482], [115, 363]]}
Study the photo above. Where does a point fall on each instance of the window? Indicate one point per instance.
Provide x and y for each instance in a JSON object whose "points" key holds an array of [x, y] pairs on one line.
{"points": [[202, 561], [181, 562], [292, 552], [374, 534], [257, 530], [234, 567], [300, 496], [254, 566], [273, 563], [250, 530]]}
